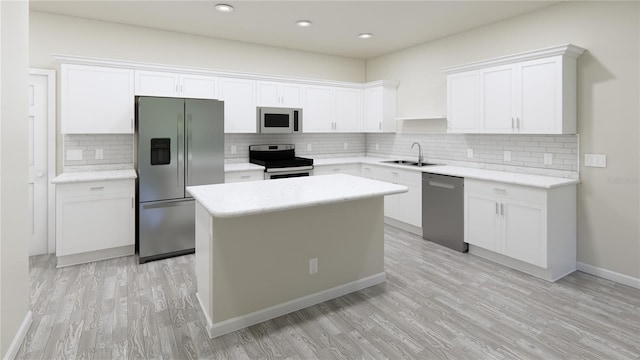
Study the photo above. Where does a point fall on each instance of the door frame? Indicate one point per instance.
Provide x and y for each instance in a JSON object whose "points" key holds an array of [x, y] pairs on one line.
{"points": [[51, 154]]}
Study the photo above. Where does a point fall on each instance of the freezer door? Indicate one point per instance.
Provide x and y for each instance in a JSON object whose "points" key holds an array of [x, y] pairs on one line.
{"points": [[160, 148], [166, 228], [205, 142]]}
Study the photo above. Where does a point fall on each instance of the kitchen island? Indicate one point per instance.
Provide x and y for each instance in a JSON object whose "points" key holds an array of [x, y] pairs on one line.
{"points": [[267, 248]]}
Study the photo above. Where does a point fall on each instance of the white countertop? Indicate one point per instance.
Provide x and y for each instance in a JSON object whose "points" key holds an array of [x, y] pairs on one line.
{"points": [[248, 198], [86, 176], [232, 167]]}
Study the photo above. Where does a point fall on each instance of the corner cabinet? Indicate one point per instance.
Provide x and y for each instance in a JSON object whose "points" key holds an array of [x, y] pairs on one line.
{"points": [[94, 220], [531, 229], [527, 93], [96, 100], [380, 107]]}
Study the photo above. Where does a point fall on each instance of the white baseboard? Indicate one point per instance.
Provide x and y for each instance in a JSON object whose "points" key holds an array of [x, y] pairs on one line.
{"points": [[12, 351], [609, 275], [243, 321]]}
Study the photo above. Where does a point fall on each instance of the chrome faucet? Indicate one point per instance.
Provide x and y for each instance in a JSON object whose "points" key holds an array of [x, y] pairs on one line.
{"points": [[420, 158]]}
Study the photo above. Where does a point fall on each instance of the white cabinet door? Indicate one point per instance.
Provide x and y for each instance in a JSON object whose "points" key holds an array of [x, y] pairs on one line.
{"points": [[96, 100], [462, 102], [168, 84], [199, 86], [497, 99], [94, 216], [349, 169], [410, 203], [239, 96], [524, 229], [157, 83], [481, 221], [279, 94], [540, 96], [317, 114], [241, 176], [348, 110], [373, 113]]}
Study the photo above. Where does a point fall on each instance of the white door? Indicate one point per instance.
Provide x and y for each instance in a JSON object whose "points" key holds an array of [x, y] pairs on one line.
{"points": [[38, 166]]}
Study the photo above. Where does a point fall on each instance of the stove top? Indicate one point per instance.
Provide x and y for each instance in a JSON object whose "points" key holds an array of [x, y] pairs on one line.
{"points": [[277, 156]]}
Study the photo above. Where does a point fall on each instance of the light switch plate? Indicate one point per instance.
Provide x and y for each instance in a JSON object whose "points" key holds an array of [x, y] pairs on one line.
{"points": [[309, 148], [346, 146], [74, 154], [234, 149], [507, 156], [377, 146], [548, 159], [99, 154], [595, 160], [469, 153]]}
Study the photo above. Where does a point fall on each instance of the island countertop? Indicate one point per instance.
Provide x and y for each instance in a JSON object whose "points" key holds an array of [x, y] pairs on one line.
{"points": [[255, 197]]}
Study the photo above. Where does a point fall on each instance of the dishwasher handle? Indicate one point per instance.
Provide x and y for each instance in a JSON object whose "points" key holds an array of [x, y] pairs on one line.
{"points": [[441, 185]]}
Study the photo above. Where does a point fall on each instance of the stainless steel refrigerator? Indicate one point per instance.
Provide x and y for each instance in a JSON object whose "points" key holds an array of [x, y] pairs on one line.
{"points": [[179, 143]]}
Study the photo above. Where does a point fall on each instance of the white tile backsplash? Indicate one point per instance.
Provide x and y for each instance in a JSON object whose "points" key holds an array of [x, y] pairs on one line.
{"points": [[527, 151]]}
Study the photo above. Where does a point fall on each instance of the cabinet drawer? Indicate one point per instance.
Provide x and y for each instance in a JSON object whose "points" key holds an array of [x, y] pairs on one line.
{"points": [[350, 169], [96, 187], [399, 176], [239, 176], [510, 191]]}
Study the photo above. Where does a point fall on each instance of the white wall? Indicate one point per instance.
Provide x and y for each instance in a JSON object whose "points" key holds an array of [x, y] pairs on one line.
{"points": [[608, 107], [14, 67], [75, 36]]}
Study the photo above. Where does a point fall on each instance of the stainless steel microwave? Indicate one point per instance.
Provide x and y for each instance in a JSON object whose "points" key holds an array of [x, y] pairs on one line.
{"points": [[274, 120]]}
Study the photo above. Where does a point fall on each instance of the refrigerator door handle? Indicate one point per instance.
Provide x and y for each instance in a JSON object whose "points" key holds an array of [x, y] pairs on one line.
{"points": [[189, 147], [180, 168]]}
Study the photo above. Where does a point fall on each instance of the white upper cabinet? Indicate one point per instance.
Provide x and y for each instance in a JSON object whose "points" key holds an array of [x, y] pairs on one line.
{"points": [[527, 93], [96, 100], [462, 102], [159, 83], [317, 113], [239, 96], [332, 109], [348, 110], [379, 107], [279, 94]]}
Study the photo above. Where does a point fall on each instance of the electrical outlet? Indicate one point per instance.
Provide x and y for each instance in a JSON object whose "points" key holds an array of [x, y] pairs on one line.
{"points": [[346, 146], [507, 156], [377, 146], [99, 154], [234, 149], [313, 266], [74, 154], [595, 160], [548, 159], [309, 148], [469, 153]]}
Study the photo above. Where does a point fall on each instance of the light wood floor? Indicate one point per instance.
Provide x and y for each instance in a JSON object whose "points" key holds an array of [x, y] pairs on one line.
{"points": [[436, 303]]}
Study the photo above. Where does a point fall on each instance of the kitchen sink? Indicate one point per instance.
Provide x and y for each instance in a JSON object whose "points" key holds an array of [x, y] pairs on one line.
{"points": [[408, 163]]}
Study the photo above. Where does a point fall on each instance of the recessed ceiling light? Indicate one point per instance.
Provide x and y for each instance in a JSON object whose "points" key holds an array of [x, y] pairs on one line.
{"points": [[224, 7], [365, 36], [303, 23]]}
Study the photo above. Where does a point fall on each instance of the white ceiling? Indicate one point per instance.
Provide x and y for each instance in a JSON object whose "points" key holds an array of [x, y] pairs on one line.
{"points": [[395, 24]]}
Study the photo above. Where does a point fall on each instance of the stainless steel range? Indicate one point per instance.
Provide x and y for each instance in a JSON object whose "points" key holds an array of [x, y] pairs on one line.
{"points": [[280, 161]]}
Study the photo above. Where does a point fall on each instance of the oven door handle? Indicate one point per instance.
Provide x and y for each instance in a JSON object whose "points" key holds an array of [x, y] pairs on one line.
{"points": [[293, 168]]}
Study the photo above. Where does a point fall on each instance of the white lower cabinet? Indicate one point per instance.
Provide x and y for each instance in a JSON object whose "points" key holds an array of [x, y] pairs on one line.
{"points": [[405, 207], [93, 219], [240, 176], [349, 169], [533, 226]]}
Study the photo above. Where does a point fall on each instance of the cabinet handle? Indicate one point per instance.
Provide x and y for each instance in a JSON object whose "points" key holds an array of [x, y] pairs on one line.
{"points": [[501, 209], [132, 204], [176, 87], [181, 88], [395, 173], [512, 124], [245, 176], [518, 123], [96, 188], [500, 190], [497, 208], [379, 126], [336, 169], [132, 123]]}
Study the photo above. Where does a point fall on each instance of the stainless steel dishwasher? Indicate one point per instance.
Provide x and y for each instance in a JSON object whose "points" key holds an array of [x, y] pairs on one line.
{"points": [[443, 210]]}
